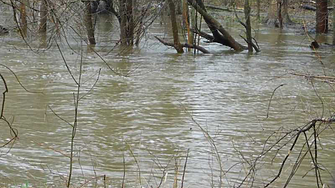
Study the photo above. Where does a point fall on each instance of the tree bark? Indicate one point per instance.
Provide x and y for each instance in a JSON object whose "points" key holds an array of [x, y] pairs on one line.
{"points": [[321, 16], [177, 44], [216, 28], [89, 23]]}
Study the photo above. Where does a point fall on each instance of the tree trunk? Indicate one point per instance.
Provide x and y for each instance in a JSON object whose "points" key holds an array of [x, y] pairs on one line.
{"points": [[177, 44], [123, 22], [216, 28], [258, 10], [321, 16], [23, 18], [178, 7], [126, 22], [280, 16], [272, 18], [43, 17], [130, 20], [138, 31], [89, 23], [110, 8], [187, 22], [248, 24], [286, 16]]}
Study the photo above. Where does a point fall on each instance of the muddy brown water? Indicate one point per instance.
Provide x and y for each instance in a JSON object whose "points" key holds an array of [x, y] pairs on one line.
{"points": [[142, 123]]}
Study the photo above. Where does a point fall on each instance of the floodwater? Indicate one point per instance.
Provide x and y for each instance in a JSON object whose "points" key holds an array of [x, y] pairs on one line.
{"points": [[143, 122]]}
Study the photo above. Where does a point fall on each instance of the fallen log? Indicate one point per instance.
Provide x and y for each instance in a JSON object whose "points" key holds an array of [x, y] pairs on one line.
{"points": [[311, 7], [219, 33], [308, 7]]}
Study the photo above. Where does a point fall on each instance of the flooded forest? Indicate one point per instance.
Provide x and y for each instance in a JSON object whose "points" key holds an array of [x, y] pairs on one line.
{"points": [[167, 93]]}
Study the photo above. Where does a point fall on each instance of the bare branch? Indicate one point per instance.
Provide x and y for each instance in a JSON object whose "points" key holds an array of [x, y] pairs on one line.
{"points": [[185, 45]]}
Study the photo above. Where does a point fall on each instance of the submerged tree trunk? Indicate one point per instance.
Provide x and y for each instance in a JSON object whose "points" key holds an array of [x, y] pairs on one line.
{"points": [[130, 20], [321, 16], [126, 22], [187, 22], [278, 15], [272, 18], [89, 23], [286, 15], [248, 24], [220, 35], [177, 44], [43, 17]]}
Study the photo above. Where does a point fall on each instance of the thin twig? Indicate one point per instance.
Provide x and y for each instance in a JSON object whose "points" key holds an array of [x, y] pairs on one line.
{"points": [[273, 92], [18, 80]]}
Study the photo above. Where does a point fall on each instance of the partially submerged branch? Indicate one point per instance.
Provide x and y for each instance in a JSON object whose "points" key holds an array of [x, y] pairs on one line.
{"points": [[202, 34], [185, 45], [328, 79], [220, 35]]}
